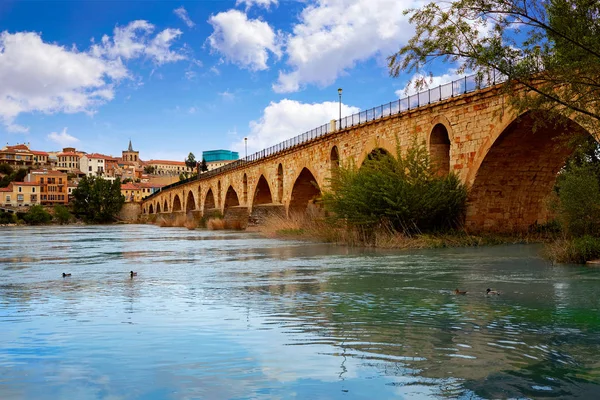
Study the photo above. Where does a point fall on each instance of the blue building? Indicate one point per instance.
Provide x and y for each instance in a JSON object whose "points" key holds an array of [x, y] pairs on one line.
{"points": [[219, 155]]}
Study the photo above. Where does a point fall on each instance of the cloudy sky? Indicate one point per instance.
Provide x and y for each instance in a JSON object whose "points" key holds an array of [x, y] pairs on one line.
{"points": [[176, 76]]}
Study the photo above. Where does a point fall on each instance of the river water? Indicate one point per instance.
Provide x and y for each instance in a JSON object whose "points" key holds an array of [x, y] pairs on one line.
{"points": [[215, 315]]}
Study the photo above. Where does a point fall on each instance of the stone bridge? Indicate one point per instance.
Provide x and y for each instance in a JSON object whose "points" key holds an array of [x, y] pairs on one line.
{"points": [[509, 167]]}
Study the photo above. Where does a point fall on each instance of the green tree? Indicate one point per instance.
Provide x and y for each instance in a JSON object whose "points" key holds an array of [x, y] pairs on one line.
{"points": [[203, 166], [149, 169], [15, 176], [6, 169], [97, 200], [404, 192], [190, 161], [7, 218], [551, 48], [37, 215], [62, 214]]}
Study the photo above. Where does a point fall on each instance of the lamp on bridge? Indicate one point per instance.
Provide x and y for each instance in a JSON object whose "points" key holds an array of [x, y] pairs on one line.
{"points": [[340, 93], [246, 145]]}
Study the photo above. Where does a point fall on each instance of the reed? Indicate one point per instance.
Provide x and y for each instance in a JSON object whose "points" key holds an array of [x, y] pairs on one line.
{"points": [[216, 224]]}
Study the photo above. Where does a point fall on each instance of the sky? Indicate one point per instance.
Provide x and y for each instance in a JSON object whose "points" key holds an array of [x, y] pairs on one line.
{"points": [[176, 77]]}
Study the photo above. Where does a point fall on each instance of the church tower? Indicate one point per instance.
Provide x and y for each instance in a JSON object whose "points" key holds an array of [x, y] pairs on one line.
{"points": [[131, 155]]}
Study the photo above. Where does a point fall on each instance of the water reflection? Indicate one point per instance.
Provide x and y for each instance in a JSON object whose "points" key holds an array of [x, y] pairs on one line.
{"points": [[233, 315]]}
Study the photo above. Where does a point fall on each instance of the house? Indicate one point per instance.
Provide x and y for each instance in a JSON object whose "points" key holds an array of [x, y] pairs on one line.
{"points": [[93, 164], [20, 194], [53, 186]]}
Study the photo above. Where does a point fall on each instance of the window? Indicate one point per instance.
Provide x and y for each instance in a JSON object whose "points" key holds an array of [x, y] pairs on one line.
{"points": [[19, 197], [34, 198], [20, 189], [60, 181], [8, 198], [90, 168], [32, 190], [41, 180]]}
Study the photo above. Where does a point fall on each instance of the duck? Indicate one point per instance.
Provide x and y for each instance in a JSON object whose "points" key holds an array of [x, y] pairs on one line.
{"points": [[461, 292], [132, 274], [65, 275], [491, 292]]}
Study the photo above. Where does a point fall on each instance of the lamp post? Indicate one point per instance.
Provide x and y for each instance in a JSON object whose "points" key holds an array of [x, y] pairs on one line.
{"points": [[246, 146], [340, 123]]}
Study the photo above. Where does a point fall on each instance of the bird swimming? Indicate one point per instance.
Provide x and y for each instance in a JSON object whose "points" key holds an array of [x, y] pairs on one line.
{"points": [[456, 291], [491, 292], [132, 274], [65, 275]]}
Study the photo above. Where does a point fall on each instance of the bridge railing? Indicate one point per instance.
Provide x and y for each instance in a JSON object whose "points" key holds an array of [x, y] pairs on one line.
{"points": [[446, 91]]}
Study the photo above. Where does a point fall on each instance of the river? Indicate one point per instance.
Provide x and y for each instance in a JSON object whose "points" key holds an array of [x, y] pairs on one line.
{"points": [[232, 315]]}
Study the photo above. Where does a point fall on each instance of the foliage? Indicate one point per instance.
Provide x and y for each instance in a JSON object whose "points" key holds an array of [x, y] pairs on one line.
{"points": [[190, 161], [6, 169], [203, 166], [578, 250], [127, 180], [7, 218], [37, 215], [62, 214], [15, 176], [552, 48], [97, 200], [404, 193], [149, 169]]}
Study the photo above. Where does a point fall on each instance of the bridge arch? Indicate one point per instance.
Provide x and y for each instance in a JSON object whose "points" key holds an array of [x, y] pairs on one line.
{"points": [[262, 193], [190, 203], [150, 209], [158, 208], [176, 203], [245, 189], [209, 200], [218, 204], [374, 145], [231, 198], [517, 173], [439, 149], [305, 190], [166, 206], [334, 159], [280, 183]]}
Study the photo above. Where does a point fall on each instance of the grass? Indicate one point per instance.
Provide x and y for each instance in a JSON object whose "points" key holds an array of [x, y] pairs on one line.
{"points": [[216, 224], [575, 251]]}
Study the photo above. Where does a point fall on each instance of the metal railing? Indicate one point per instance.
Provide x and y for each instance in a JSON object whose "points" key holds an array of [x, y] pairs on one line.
{"points": [[446, 91]]}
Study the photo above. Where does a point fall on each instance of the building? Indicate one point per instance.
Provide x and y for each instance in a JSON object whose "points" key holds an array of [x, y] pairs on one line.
{"points": [[20, 194], [22, 155], [217, 158], [53, 186], [93, 164], [165, 167], [40, 158], [136, 192], [68, 160], [131, 155]]}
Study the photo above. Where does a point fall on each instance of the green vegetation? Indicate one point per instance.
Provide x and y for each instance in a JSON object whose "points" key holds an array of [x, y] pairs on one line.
{"points": [[551, 48], [37, 215], [203, 166], [7, 218], [97, 200], [11, 175], [62, 214], [190, 161], [149, 169], [403, 194]]}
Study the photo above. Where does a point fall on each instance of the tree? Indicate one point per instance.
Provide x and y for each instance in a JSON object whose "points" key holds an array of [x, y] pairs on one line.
{"points": [[62, 214], [550, 48], [97, 200], [37, 215], [6, 169], [190, 161], [203, 166], [149, 169]]}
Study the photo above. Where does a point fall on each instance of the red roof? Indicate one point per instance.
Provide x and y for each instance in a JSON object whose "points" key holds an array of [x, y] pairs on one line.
{"points": [[18, 147], [6, 189], [39, 153], [97, 156], [129, 186], [26, 183], [166, 162]]}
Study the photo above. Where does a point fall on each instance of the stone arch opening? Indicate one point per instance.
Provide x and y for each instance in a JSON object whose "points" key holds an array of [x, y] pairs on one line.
{"points": [[439, 149], [157, 208], [305, 191], [209, 201], [151, 209], [517, 174], [231, 198], [262, 194], [166, 206], [377, 153], [245, 194], [334, 160], [144, 210], [190, 203], [176, 203], [219, 192], [280, 183]]}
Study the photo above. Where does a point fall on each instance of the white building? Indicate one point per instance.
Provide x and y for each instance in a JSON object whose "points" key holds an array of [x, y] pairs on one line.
{"points": [[93, 164]]}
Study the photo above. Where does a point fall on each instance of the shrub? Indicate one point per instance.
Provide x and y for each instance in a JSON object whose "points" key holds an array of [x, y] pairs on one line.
{"points": [[37, 215], [577, 250], [579, 201], [62, 214], [7, 218], [405, 193], [216, 224]]}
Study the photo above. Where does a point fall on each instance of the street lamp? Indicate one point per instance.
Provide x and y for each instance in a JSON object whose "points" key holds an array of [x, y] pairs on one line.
{"points": [[246, 145], [340, 93]]}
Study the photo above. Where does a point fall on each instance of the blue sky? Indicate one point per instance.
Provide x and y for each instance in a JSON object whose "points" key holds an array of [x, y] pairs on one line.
{"points": [[177, 76]]}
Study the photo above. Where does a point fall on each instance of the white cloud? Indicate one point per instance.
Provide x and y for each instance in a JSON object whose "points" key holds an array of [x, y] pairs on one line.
{"points": [[183, 15], [63, 138], [242, 41], [227, 95], [261, 3], [288, 118], [192, 110], [48, 78], [430, 82], [134, 40], [333, 35]]}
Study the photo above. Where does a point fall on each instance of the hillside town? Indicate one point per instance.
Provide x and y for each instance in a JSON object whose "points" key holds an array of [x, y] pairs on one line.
{"points": [[49, 178]]}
